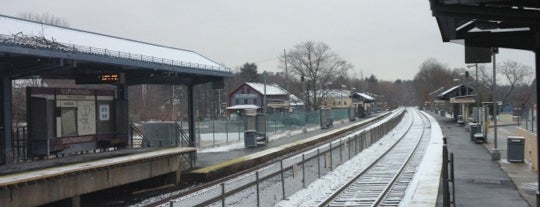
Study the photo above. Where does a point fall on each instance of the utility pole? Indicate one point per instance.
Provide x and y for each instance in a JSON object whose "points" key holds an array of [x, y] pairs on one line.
{"points": [[286, 72], [265, 103]]}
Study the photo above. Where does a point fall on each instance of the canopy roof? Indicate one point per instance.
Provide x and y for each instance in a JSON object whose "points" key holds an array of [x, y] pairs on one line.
{"points": [[363, 97], [456, 91], [62, 46], [489, 23], [243, 106]]}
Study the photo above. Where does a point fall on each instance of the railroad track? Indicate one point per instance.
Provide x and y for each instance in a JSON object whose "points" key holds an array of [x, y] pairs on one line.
{"points": [[222, 185], [385, 181]]}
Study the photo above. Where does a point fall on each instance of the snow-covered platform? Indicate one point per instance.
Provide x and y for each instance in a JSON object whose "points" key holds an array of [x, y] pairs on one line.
{"points": [[228, 163]]}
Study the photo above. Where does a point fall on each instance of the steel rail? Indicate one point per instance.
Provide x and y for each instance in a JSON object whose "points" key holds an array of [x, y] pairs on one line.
{"points": [[380, 197]]}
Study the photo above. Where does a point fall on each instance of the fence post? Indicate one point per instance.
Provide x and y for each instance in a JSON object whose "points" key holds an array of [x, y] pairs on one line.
{"points": [[340, 151], [303, 171], [223, 194], [349, 147], [257, 182], [319, 162], [453, 201], [213, 133], [282, 179], [446, 202], [227, 131], [331, 157]]}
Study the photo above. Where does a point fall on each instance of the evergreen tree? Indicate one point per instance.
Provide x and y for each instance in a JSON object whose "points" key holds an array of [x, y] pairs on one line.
{"points": [[248, 72]]}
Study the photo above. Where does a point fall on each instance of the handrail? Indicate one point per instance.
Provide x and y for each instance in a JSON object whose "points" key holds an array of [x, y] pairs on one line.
{"points": [[41, 42], [140, 133], [184, 137]]}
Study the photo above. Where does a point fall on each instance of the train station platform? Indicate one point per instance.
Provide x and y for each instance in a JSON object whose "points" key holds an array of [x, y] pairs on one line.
{"points": [[71, 177], [215, 164], [479, 180]]}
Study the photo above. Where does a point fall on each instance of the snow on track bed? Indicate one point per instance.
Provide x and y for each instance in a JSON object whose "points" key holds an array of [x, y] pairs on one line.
{"points": [[378, 182]]}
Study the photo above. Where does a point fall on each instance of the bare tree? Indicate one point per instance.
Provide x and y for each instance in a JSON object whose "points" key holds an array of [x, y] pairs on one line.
{"points": [[44, 18], [318, 65], [432, 76], [516, 74]]}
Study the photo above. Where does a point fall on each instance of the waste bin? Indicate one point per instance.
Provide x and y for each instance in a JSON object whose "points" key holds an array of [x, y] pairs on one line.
{"points": [[460, 120], [250, 138], [474, 130], [515, 149]]}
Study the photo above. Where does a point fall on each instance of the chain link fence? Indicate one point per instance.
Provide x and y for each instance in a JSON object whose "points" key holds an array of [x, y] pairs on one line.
{"points": [[211, 133]]}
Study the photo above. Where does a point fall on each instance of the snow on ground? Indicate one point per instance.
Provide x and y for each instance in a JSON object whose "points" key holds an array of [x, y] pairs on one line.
{"points": [[319, 189], [240, 144]]}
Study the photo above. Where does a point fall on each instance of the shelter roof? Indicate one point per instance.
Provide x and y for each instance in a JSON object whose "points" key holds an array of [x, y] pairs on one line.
{"points": [[77, 47], [364, 97], [243, 106], [456, 91], [489, 23]]}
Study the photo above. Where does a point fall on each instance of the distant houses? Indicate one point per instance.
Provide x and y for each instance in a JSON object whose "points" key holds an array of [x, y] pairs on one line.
{"points": [[250, 96]]}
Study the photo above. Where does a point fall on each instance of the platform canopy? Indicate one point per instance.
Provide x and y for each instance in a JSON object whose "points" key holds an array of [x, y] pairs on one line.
{"points": [[243, 106], [456, 91], [363, 97], [30, 49], [489, 23]]}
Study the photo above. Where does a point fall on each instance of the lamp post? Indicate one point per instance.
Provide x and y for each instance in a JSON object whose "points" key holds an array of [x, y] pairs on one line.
{"points": [[495, 154], [302, 78]]}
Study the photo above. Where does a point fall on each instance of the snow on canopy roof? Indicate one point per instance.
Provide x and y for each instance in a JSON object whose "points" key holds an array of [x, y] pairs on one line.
{"points": [[458, 90], [271, 89], [33, 34], [366, 97], [243, 106]]}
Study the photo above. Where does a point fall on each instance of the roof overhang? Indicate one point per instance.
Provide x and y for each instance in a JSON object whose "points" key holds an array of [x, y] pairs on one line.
{"points": [[243, 106], [65, 53], [489, 23], [456, 91]]}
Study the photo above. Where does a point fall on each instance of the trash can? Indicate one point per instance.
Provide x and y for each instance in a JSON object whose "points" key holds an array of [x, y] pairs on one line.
{"points": [[250, 138], [474, 130], [515, 149]]}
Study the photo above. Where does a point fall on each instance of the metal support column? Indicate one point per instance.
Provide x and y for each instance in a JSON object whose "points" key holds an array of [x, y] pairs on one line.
{"points": [[6, 155], [191, 124], [191, 116], [122, 114], [537, 55], [495, 153]]}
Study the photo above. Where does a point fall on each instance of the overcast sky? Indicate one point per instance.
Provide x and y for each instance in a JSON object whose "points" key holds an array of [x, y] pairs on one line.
{"points": [[388, 39]]}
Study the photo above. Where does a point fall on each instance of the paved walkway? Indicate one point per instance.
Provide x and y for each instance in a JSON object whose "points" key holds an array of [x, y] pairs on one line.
{"points": [[521, 173], [479, 180]]}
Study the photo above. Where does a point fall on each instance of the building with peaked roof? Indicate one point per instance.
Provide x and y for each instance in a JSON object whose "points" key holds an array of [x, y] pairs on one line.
{"points": [[253, 94], [336, 99], [362, 103]]}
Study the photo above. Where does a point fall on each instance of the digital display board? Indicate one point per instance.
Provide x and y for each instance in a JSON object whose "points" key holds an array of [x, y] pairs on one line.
{"points": [[106, 78], [109, 77]]}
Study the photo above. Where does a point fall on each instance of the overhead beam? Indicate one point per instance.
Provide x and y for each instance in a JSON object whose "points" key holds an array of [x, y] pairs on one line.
{"points": [[523, 40], [486, 13]]}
